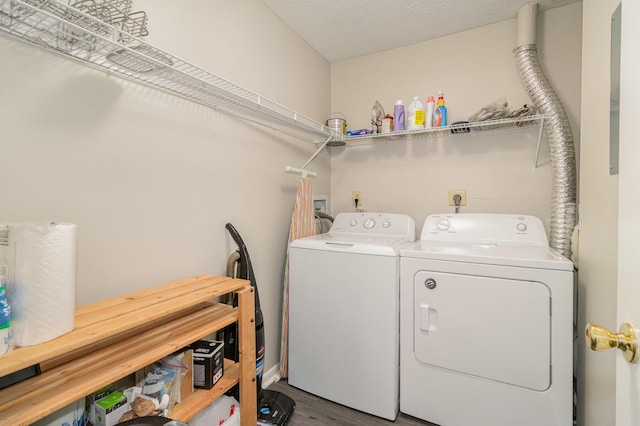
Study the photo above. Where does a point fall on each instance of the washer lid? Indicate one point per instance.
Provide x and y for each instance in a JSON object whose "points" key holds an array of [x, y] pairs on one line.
{"points": [[364, 233], [540, 257], [352, 243]]}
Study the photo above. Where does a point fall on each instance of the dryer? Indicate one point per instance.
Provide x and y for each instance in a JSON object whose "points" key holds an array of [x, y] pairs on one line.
{"points": [[487, 324], [344, 324]]}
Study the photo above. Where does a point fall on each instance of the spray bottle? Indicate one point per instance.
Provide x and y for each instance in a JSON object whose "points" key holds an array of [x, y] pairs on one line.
{"points": [[440, 113]]}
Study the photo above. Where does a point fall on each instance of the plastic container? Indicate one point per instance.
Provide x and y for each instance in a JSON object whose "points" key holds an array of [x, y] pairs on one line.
{"points": [[440, 113], [415, 116], [337, 123], [398, 116], [6, 334], [431, 106]]}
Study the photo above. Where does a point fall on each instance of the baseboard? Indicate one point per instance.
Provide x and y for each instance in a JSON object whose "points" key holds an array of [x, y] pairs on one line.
{"points": [[271, 376]]}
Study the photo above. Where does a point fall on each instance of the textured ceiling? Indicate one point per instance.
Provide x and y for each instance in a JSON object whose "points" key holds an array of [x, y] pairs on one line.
{"points": [[345, 29]]}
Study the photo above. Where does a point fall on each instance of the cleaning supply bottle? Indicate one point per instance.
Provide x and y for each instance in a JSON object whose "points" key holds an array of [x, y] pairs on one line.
{"points": [[431, 106], [440, 113], [415, 118], [398, 116], [6, 335]]}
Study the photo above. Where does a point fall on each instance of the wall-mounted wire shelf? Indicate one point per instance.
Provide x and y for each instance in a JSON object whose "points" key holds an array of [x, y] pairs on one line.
{"points": [[438, 132], [71, 32], [454, 130]]}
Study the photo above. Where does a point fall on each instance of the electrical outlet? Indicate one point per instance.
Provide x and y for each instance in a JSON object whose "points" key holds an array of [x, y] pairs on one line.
{"points": [[355, 195], [463, 197]]}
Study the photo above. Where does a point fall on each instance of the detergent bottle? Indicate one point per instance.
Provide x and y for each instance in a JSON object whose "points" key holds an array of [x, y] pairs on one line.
{"points": [[398, 116], [440, 113], [415, 118]]}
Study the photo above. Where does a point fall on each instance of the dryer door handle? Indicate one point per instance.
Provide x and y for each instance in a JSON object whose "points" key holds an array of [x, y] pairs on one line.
{"points": [[428, 318]]}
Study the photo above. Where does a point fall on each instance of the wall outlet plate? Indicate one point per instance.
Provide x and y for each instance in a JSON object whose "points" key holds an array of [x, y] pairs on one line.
{"points": [[463, 197]]}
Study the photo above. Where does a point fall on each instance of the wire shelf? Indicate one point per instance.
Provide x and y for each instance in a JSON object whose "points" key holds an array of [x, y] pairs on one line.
{"points": [[74, 33], [439, 132]]}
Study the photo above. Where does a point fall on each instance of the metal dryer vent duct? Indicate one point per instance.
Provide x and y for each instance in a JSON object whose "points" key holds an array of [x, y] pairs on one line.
{"points": [[557, 130]]}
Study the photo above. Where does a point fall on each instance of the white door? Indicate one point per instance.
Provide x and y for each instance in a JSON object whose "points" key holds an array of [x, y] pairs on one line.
{"points": [[628, 375]]}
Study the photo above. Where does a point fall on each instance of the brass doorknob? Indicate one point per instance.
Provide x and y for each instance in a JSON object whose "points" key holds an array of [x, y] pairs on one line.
{"points": [[599, 338]]}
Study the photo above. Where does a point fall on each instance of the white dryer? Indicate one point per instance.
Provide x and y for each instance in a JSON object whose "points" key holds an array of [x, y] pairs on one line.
{"points": [[344, 301], [487, 324]]}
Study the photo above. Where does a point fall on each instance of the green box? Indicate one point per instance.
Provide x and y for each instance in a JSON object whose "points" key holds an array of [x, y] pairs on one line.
{"points": [[110, 408]]}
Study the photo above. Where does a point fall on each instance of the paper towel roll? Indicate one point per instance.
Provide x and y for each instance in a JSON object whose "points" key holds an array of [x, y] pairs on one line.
{"points": [[42, 280]]}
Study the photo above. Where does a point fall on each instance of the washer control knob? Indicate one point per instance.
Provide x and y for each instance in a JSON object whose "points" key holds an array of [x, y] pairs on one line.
{"points": [[353, 222], [443, 224], [521, 227], [430, 283], [386, 224], [369, 223]]}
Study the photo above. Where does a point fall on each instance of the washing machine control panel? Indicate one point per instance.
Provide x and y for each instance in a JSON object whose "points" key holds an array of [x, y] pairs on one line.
{"points": [[483, 228], [388, 224]]}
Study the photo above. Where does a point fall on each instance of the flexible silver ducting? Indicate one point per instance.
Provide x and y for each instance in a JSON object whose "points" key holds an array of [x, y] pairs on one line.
{"points": [[557, 130]]}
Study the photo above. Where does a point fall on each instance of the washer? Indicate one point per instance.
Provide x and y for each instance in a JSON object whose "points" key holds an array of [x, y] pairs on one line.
{"points": [[344, 311], [486, 326]]}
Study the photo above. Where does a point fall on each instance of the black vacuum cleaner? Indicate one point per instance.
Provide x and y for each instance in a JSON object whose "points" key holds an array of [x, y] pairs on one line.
{"points": [[274, 408]]}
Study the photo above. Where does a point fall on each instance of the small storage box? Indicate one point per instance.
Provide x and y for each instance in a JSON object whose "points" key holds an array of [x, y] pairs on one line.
{"points": [[208, 363], [110, 408]]}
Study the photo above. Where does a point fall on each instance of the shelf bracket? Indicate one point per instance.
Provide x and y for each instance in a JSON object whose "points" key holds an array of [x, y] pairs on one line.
{"points": [[302, 170], [535, 165]]}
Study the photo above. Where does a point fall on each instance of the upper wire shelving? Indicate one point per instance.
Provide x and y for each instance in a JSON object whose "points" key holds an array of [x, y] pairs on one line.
{"points": [[71, 32], [455, 129]]}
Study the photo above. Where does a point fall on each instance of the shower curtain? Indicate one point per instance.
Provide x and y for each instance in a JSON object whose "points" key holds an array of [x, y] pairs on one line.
{"points": [[302, 225]]}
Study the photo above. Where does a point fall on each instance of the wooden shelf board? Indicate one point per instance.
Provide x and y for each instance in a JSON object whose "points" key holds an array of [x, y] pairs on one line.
{"points": [[28, 401], [125, 315]]}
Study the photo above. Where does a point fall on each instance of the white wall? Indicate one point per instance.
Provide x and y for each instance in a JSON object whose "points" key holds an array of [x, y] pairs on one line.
{"points": [[473, 68], [151, 179], [598, 216]]}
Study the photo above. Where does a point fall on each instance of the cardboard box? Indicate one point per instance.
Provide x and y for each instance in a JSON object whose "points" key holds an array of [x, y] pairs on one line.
{"points": [[208, 363], [110, 408], [95, 396], [186, 384]]}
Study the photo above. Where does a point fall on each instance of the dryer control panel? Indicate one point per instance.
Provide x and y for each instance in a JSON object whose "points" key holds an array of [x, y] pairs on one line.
{"points": [[486, 228]]}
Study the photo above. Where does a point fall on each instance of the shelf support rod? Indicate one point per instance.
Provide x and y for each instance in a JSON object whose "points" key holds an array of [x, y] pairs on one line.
{"points": [[302, 170], [535, 166]]}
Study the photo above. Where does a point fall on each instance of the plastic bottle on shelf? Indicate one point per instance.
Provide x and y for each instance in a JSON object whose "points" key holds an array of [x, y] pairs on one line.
{"points": [[431, 106], [398, 116], [415, 117], [440, 112], [6, 334]]}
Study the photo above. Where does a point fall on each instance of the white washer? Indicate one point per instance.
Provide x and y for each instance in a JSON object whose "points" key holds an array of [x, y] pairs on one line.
{"points": [[486, 326], [344, 311]]}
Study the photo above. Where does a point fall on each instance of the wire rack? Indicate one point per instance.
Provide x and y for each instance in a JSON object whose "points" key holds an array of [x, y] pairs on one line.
{"points": [[455, 129], [105, 35]]}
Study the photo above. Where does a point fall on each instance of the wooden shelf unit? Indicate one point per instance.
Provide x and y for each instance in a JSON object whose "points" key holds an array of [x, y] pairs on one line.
{"points": [[115, 337]]}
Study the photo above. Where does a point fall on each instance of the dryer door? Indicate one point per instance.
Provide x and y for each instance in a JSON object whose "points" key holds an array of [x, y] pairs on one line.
{"points": [[495, 328]]}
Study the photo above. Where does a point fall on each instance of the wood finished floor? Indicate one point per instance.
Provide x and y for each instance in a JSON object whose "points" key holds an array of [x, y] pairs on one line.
{"points": [[312, 410]]}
